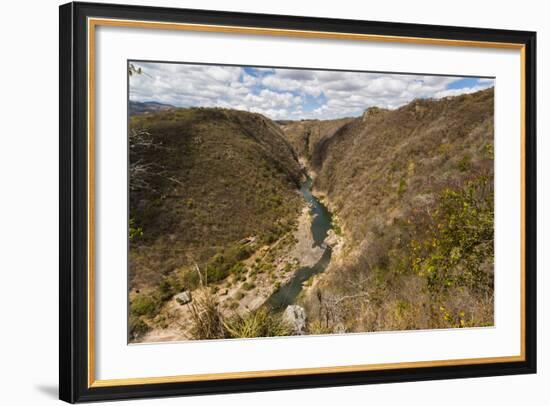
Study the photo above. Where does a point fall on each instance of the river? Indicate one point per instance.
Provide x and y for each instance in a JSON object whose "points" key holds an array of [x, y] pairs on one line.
{"points": [[320, 225]]}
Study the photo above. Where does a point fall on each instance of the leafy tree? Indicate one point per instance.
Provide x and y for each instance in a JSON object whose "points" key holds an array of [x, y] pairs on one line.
{"points": [[458, 247]]}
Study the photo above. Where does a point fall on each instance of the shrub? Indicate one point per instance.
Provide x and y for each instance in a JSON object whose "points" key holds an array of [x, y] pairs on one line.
{"points": [[217, 269], [206, 319], [237, 269], [248, 286], [460, 239], [144, 305], [270, 238], [207, 322], [336, 227], [239, 252], [169, 286], [259, 323], [318, 328], [190, 279], [134, 231]]}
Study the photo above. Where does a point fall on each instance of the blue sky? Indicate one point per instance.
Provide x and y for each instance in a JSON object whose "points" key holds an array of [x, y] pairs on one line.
{"points": [[290, 93]]}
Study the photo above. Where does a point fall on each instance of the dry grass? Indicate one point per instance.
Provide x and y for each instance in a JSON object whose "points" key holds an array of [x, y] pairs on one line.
{"points": [[206, 319], [260, 323], [208, 322]]}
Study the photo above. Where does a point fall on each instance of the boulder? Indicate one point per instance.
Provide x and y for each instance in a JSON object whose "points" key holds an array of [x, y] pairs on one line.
{"points": [[183, 297], [295, 317]]}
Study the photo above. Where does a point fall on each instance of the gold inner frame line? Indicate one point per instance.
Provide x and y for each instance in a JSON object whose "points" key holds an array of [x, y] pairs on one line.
{"points": [[94, 22]]}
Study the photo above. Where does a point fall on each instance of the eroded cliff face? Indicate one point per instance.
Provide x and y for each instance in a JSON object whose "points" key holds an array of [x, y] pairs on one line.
{"points": [[306, 135]]}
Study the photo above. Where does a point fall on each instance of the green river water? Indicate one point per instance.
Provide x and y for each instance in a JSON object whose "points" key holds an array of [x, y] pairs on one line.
{"points": [[320, 225]]}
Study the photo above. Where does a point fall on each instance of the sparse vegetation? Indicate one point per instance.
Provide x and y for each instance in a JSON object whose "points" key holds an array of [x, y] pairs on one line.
{"points": [[214, 205], [202, 181], [208, 322], [423, 256]]}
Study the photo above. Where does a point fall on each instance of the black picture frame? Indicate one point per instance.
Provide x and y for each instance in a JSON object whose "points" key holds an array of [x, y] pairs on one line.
{"points": [[74, 384]]}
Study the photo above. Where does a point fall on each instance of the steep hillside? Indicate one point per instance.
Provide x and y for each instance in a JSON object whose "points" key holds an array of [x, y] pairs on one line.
{"points": [[412, 192], [219, 210], [304, 135], [208, 187]]}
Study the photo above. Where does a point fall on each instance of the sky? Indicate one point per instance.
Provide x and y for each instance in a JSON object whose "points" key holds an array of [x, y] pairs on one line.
{"points": [[289, 94]]}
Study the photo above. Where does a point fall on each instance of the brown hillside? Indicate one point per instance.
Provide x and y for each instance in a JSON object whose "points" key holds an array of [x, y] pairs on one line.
{"points": [[201, 181], [304, 135], [412, 191], [385, 161]]}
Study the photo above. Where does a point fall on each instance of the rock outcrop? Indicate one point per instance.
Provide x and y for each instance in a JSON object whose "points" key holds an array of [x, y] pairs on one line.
{"points": [[295, 317]]}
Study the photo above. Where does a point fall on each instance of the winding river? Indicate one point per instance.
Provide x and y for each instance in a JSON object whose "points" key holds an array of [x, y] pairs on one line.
{"points": [[320, 225]]}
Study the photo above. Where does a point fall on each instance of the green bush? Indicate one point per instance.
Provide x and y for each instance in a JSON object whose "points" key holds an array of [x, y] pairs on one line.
{"points": [[134, 231], [243, 253], [217, 269], [144, 305], [220, 266], [459, 243], [170, 286], [237, 269]]}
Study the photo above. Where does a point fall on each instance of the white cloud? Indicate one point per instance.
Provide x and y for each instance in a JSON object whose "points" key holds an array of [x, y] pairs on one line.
{"points": [[456, 92], [480, 85], [288, 93]]}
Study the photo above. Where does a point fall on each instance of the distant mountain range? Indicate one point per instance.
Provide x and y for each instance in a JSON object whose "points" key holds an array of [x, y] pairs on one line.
{"points": [[147, 107]]}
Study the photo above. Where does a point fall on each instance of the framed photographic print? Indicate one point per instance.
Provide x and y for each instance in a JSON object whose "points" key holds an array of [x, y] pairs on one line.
{"points": [[257, 202]]}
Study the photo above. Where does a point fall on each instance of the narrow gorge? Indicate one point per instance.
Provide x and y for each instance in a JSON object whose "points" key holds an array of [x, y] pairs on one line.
{"points": [[357, 221]]}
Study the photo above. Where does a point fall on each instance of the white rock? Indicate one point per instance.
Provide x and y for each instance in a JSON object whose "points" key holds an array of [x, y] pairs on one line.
{"points": [[296, 318], [183, 297]]}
